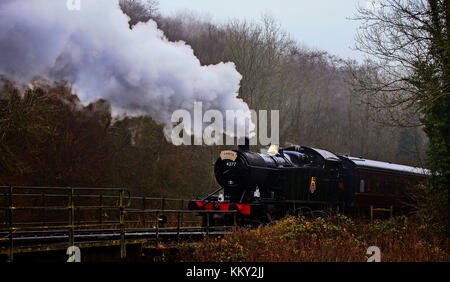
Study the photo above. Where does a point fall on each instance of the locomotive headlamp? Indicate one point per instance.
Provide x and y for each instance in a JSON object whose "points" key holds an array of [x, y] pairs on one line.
{"points": [[257, 194]]}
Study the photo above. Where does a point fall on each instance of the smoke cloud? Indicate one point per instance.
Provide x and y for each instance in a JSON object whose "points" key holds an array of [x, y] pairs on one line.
{"points": [[139, 71]]}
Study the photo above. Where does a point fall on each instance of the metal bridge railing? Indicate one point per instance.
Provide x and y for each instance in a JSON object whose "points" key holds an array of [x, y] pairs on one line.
{"points": [[69, 212], [20, 206], [179, 220]]}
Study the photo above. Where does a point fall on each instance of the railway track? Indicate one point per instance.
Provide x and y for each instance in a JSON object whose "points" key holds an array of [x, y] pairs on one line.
{"points": [[99, 235], [57, 241]]}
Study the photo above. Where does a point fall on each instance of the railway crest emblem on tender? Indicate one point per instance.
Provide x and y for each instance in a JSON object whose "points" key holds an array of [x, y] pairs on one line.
{"points": [[312, 186]]}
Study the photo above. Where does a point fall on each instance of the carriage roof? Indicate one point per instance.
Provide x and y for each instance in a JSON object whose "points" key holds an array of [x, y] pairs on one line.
{"points": [[372, 164]]}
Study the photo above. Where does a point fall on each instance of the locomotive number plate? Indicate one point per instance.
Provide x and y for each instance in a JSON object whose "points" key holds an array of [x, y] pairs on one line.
{"points": [[228, 155]]}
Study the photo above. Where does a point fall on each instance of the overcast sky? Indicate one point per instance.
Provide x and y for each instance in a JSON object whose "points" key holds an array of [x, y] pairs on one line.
{"points": [[320, 24]]}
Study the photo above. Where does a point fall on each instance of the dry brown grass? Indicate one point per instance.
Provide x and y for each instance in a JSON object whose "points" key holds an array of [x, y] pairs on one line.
{"points": [[316, 240]]}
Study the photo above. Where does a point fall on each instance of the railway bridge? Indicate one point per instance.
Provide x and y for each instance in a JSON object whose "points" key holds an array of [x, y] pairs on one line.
{"points": [[94, 224]]}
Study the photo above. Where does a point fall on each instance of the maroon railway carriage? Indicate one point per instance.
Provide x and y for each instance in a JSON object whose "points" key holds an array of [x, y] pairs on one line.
{"points": [[380, 184]]}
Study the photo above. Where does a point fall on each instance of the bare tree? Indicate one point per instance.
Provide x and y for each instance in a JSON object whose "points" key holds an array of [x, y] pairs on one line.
{"points": [[405, 39], [140, 10], [409, 41]]}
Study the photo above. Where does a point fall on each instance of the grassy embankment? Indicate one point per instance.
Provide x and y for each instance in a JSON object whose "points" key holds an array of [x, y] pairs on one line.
{"points": [[341, 239]]}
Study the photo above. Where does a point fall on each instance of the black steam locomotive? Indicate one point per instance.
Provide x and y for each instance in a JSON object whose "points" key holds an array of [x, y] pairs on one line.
{"points": [[296, 180]]}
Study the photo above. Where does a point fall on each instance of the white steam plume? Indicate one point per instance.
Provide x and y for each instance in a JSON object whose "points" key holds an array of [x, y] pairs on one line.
{"points": [[139, 71]]}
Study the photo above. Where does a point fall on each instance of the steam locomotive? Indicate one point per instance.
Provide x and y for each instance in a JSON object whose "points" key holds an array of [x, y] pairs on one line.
{"points": [[261, 187]]}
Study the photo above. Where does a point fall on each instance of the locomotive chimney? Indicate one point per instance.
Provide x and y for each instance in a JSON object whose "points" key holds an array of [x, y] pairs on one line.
{"points": [[245, 146]]}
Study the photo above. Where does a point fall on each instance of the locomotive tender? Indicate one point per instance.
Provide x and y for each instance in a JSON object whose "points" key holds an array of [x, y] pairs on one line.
{"points": [[266, 186]]}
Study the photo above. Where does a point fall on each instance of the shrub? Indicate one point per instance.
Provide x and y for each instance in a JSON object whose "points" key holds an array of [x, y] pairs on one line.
{"points": [[296, 239]]}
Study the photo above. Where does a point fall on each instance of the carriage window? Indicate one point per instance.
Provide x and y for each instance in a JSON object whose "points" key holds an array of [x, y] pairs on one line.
{"points": [[401, 186], [408, 185], [397, 187], [388, 186], [361, 186], [376, 186], [382, 185]]}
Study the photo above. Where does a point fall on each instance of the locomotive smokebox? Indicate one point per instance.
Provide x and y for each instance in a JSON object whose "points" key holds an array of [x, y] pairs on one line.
{"points": [[239, 170]]}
